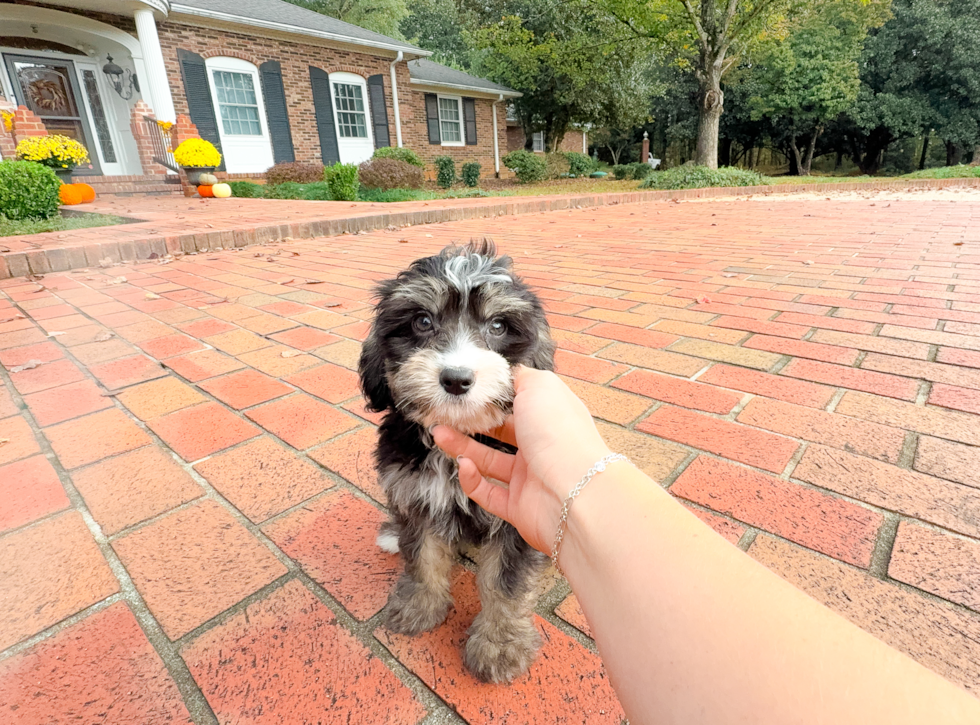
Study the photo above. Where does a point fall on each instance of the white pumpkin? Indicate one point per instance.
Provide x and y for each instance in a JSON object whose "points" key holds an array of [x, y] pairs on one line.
{"points": [[221, 191], [208, 180]]}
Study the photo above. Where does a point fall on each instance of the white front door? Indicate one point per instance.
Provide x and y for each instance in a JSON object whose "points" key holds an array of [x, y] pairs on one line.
{"points": [[240, 111], [352, 117]]}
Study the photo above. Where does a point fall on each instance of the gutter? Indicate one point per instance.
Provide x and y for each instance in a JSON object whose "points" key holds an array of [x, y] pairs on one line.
{"points": [[496, 143], [459, 87], [180, 9], [394, 98]]}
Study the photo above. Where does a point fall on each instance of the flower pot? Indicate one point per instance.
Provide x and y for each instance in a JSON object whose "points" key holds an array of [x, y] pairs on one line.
{"points": [[64, 175], [194, 173]]}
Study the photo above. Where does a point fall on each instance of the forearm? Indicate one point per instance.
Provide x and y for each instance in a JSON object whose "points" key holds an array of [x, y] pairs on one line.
{"points": [[694, 631]]}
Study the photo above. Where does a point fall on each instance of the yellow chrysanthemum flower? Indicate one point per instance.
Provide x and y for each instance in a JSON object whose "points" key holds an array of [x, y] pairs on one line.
{"points": [[58, 152], [196, 152]]}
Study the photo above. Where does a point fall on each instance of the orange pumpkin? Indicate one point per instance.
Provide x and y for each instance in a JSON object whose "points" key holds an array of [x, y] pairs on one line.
{"points": [[71, 194], [205, 191], [88, 193]]}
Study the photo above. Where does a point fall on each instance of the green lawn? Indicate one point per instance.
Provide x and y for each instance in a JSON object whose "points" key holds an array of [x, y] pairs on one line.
{"points": [[11, 228]]}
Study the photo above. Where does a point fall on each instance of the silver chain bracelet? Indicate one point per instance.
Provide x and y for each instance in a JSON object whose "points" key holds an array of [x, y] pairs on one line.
{"points": [[598, 468]]}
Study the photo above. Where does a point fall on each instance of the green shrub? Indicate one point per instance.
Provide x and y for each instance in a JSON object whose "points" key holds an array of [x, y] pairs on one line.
{"points": [[635, 171], [402, 154], [390, 174], [946, 172], [28, 190], [342, 180], [527, 166], [286, 190], [445, 171], [556, 165], [302, 172], [467, 194], [580, 164], [393, 195], [318, 191], [246, 190], [699, 177], [471, 174]]}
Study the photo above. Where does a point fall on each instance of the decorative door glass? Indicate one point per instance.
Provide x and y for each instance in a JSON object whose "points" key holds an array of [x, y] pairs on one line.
{"points": [[98, 117]]}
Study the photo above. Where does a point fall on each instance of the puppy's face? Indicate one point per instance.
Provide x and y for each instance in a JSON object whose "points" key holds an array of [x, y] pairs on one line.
{"points": [[445, 335]]}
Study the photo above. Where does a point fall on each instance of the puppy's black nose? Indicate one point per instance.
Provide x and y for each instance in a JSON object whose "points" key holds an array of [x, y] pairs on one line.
{"points": [[456, 381]]}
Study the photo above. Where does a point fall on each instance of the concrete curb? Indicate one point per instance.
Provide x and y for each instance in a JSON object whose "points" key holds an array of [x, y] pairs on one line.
{"points": [[61, 259]]}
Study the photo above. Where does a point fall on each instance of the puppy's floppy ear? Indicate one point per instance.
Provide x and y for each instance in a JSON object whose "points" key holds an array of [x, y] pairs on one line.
{"points": [[542, 355], [374, 382]]}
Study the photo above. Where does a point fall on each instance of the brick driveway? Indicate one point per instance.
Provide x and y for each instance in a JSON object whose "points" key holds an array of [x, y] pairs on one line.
{"points": [[189, 509]]}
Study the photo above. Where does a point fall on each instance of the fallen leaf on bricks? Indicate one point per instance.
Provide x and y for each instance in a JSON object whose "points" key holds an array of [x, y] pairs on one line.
{"points": [[117, 280], [729, 274], [808, 262], [295, 254], [429, 235], [55, 334], [11, 319], [403, 241], [29, 365], [152, 296], [333, 304], [288, 281], [291, 353], [4, 441], [103, 336], [314, 281], [704, 300]]}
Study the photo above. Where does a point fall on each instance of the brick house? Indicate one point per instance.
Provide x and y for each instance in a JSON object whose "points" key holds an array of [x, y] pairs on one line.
{"points": [[575, 139], [264, 80]]}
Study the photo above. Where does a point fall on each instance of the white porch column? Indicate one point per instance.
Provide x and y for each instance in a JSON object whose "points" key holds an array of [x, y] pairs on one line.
{"points": [[155, 85]]}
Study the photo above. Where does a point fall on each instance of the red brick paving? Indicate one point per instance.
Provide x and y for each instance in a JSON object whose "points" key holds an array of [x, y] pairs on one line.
{"points": [[797, 409]]}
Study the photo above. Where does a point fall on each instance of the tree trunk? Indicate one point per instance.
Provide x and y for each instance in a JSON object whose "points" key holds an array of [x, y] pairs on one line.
{"points": [[839, 160], [954, 154], [796, 163], [976, 156], [925, 151], [808, 161], [711, 102]]}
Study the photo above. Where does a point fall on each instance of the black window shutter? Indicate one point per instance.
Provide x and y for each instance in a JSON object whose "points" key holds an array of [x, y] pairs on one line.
{"points": [[379, 111], [270, 73], [469, 115], [432, 118], [322, 105], [198, 92]]}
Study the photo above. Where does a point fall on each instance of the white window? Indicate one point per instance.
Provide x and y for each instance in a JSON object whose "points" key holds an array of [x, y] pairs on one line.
{"points": [[537, 141], [351, 116], [240, 110], [451, 120], [237, 103], [351, 111]]}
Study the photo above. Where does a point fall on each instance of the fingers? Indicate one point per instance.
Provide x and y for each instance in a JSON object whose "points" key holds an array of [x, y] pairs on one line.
{"points": [[489, 497], [490, 462]]}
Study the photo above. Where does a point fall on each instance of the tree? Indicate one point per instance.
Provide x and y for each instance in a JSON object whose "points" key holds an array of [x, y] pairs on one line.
{"points": [[568, 62], [381, 16], [807, 78], [438, 25], [708, 35], [920, 70]]}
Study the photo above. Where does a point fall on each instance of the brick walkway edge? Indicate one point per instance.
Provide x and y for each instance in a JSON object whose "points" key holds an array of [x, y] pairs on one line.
{"points": [[142, 247]]}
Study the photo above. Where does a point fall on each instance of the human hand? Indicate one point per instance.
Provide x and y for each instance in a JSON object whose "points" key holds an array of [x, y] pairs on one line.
{"points": [[557, 443]]}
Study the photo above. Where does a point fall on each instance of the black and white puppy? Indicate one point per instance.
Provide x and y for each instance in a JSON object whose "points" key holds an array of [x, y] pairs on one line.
{"points": [[445, 336]]}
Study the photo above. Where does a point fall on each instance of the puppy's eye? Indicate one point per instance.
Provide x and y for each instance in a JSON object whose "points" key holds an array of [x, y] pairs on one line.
{"points": [[498, 327], [422, 323]]}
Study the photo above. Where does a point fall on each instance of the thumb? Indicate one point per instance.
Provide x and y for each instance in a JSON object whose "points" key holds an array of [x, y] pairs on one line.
{"points": [[493, 499]]}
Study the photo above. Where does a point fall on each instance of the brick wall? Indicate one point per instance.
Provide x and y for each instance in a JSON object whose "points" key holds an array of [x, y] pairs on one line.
{"points": [[415, 135]]}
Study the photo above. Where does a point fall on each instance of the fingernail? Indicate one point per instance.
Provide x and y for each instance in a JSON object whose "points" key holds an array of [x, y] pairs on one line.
{"points": [[459, 458]]}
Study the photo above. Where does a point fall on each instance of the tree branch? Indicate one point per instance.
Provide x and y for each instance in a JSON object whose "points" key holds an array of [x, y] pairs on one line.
{"points": [[703, 36], [753, 14]]}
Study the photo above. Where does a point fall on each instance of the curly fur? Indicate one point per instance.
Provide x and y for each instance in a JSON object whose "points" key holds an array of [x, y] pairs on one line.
{"points": [[463, 309]]}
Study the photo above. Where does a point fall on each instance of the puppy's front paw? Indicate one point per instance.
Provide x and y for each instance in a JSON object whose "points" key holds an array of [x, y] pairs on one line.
{"points": [[418, 612], [500, 656]]}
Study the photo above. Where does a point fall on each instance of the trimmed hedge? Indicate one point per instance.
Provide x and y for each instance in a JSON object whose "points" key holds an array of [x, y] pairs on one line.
{"points": [[28, 190], [302, 172], [246, 190], [700, 177], [445, 171], [402, 154], [471, 174], [342, 181], [527, 166], [636, 171], [580, 164], [557, 165], [388, 174]]}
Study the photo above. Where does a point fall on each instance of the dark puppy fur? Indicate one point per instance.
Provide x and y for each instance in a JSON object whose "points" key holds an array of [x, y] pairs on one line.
{"points": [[446, 334]]}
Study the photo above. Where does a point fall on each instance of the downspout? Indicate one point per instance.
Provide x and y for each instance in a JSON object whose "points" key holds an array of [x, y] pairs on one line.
{"points": [[496, 145], [394, 98]]}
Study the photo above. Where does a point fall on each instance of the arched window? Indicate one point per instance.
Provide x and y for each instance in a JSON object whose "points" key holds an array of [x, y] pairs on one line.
{"points": [[352, 114]]}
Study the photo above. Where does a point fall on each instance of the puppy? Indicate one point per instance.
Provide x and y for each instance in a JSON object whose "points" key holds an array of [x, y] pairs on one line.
{"points": [[445, 336]]}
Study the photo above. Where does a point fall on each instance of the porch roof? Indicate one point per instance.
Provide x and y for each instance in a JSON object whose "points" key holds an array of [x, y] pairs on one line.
{"points": [[288, 18]]}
